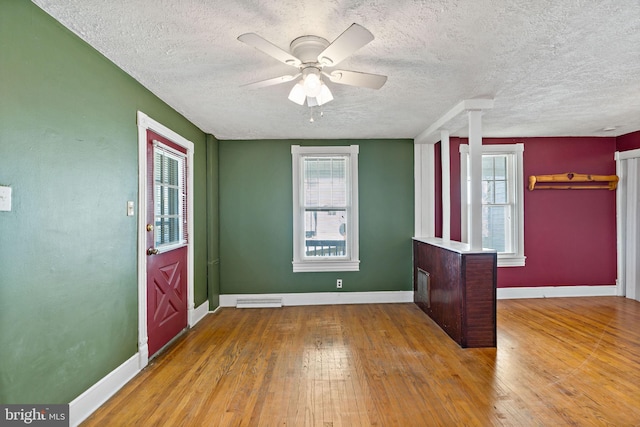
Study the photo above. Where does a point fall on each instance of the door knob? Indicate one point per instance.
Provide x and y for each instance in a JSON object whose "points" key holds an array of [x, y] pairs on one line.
{"points": [[152, 251]]}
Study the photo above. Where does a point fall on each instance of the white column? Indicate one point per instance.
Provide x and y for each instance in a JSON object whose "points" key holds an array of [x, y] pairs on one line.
{"points": [[424, 199], [445, 154], [475, 173]]}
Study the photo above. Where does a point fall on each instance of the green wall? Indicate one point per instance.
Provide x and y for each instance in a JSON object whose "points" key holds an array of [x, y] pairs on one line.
{"points": [[68, 149], [256, 247]]}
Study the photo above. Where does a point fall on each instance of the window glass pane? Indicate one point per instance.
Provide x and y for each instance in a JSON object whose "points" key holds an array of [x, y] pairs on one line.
{"points": [[487, 192], [495, 227], [325, 233], [487, 167], [325, 181], [496, 231], [169, 197], [500, 167], [500, 191]]}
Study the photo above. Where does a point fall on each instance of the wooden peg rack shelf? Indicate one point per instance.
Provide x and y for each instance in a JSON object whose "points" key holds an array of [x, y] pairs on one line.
{"points": [[573, 181]]}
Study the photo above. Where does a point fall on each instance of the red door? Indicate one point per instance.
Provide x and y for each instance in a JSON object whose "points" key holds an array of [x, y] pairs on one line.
{"points": [[166, 241]]}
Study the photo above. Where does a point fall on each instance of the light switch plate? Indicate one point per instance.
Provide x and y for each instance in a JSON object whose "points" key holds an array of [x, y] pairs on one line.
{"points": [[5, 198], [130, 211]]}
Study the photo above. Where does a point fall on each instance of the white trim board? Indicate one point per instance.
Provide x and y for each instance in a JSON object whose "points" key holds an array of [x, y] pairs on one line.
{"points": [[145, 123], [96, 395], [325, 298], [198, 314], [389, 297], [556, 292], [84, 405]]}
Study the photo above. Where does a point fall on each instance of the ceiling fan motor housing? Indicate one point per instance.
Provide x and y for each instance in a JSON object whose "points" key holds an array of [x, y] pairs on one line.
{"points": [[307, 49]]}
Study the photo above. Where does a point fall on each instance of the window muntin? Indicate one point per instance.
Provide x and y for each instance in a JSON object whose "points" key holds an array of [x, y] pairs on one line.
{"points": [[325, 208], [169, 185]]}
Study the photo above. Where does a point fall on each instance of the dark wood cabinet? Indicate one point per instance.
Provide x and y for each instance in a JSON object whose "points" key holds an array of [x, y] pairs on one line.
{"points": [[456, 287]]}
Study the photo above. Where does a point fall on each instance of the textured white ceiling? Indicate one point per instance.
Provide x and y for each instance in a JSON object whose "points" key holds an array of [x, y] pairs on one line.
{"points": [[554, 68]]}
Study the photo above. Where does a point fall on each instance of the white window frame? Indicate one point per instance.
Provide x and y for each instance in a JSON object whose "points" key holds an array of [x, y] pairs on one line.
{"points": [[512, 259], [307, 264], [181, 158]]}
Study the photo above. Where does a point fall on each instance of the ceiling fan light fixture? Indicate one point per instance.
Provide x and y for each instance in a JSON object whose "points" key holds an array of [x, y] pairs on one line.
{"points": [[312, 84], [325, 94], [323, 97], [297, 94]]}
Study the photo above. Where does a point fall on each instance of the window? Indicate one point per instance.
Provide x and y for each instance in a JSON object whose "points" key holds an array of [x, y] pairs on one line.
{"points": [[325, 208], [502, 201], [170, 207]]}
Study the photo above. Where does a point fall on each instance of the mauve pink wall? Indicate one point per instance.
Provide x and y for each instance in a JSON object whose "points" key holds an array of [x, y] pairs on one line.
{"points": [[630, 141], [570, 235]]}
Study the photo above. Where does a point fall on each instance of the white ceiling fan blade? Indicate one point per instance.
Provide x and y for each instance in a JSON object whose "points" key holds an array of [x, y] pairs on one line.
{"points": [[356, 78], [252, 39], [348, 42], [270, 82]]}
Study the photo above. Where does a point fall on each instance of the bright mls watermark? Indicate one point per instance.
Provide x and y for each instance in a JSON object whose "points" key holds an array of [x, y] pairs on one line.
{"points": [[34, 415]]}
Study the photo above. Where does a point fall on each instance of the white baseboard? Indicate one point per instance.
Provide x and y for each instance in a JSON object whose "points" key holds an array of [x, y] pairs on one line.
{"points": [[199, 313], [325, 298], [556, 292], [85, 404]]}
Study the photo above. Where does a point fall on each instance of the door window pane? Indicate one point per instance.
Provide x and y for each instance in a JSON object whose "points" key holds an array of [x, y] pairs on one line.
{"points": [[169, 197]]}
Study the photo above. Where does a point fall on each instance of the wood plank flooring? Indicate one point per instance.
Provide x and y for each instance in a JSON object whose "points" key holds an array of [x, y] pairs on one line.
{"points": [[559, 362]]}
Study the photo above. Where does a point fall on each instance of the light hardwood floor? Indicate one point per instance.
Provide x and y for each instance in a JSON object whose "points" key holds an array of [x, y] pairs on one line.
{"points": [[559, 362]]}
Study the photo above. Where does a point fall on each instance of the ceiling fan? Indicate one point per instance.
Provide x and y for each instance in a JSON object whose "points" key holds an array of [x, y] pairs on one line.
{"points": [[311, 55]]}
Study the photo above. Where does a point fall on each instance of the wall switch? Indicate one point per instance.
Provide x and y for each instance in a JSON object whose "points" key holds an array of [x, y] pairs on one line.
{"points": [[5, 198], [339, 283], [130, 211]]}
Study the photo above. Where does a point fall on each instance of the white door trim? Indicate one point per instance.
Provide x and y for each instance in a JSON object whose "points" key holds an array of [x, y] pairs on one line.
{"points": [[146, 123], [626, 230]]}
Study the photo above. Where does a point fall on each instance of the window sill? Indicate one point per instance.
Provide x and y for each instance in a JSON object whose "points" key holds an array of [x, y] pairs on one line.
{"points": [[511, 260], [324, 266]]}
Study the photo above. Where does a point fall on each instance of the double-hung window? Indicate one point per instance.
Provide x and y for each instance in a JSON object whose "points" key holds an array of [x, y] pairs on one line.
{"points": [[502, 201], [325, 208]]}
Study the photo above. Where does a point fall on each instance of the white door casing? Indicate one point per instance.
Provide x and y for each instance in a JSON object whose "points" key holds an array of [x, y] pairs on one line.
{"points": [[146, 123]]}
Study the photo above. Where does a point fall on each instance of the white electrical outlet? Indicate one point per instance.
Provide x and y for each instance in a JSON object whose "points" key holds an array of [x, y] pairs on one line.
{"points": [[339, 283]]}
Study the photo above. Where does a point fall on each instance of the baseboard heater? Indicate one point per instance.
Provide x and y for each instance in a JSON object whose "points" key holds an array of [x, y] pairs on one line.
{"points": [[258, 302]]}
